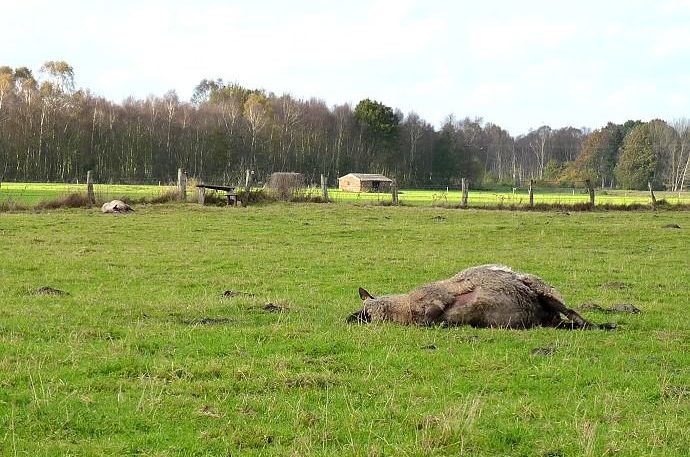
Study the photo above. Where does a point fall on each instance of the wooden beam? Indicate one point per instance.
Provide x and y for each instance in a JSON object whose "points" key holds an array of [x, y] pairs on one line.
{"points": [[182, 184], [324, 188], [651, 194], [89, 187], [465, 192], [531, 193]]}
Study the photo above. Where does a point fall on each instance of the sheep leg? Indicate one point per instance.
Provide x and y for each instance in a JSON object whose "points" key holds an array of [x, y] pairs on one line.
{"points": [[576, 321], [432, 314]]}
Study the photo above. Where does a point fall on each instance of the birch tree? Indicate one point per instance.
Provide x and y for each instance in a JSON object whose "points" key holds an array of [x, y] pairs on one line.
{"points": [[538, 145], [257, 111], [681, 154]]}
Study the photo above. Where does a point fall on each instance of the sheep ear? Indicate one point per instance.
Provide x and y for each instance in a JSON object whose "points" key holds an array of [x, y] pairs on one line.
{"points": [[363, 294]]}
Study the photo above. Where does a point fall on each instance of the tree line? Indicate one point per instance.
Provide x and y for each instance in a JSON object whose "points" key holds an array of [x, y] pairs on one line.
{"points": [[51, 131]]}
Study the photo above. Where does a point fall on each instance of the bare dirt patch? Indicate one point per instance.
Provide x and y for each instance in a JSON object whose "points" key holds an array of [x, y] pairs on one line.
{"points": [[47, 290], [619, 308], [235, 293], [209, 321], [547, 351], [273, 308]]}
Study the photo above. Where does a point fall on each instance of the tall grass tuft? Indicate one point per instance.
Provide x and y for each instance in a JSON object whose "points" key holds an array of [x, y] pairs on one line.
{"points": [[71, 200], [11, 205], [165, 197]]}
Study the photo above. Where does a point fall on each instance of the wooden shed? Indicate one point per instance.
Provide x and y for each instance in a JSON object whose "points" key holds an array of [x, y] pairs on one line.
{"points": [[364, 182]]}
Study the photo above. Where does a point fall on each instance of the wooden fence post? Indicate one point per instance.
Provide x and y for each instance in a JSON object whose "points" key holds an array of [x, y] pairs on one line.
{"points": [[531, 193], [324, 188], [590, 189], [247, 186], [182, 184], [651, 193], [394, 192], [89, 188], [465, 192], [202, 195]]}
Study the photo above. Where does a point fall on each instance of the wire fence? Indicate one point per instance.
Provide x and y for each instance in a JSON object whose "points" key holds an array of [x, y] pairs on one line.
{"points": [[31, 194], [518, 197]]}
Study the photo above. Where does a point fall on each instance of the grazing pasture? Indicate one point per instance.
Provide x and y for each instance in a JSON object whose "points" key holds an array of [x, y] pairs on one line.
{"points": [[189, 330]]}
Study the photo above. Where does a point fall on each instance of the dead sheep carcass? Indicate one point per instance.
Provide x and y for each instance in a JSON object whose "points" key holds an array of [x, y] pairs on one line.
{"points": [[116, 206], [483, 296]]}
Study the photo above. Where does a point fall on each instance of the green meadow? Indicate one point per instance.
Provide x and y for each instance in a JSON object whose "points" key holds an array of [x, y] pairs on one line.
{"points": [[145, 354]]}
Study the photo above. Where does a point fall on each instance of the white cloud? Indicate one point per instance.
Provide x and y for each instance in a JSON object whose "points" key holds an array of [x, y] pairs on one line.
{"points": [[491, 92], [517, 38], [178, 47], [673, 6], [679, 100], [671, 42], [436, 84], [635, 100]]}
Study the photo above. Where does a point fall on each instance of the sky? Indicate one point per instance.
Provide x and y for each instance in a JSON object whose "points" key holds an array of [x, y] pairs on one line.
{"points": [[519, 65]]}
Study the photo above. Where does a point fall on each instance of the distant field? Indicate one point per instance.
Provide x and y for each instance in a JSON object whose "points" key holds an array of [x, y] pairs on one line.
{"points": [[32, 193], [488, 198], [146, 356]]}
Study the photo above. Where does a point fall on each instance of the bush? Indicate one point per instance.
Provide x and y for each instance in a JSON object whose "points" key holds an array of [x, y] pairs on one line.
{"points": [[256, 196], [215, 198]]}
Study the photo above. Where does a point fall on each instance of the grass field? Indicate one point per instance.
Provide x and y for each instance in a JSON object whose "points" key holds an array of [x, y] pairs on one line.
{"points": [[145, 356], [33, 193]]}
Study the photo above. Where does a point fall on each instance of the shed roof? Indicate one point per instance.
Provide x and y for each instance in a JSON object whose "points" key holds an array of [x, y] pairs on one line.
{"points": [[369, 177]]}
